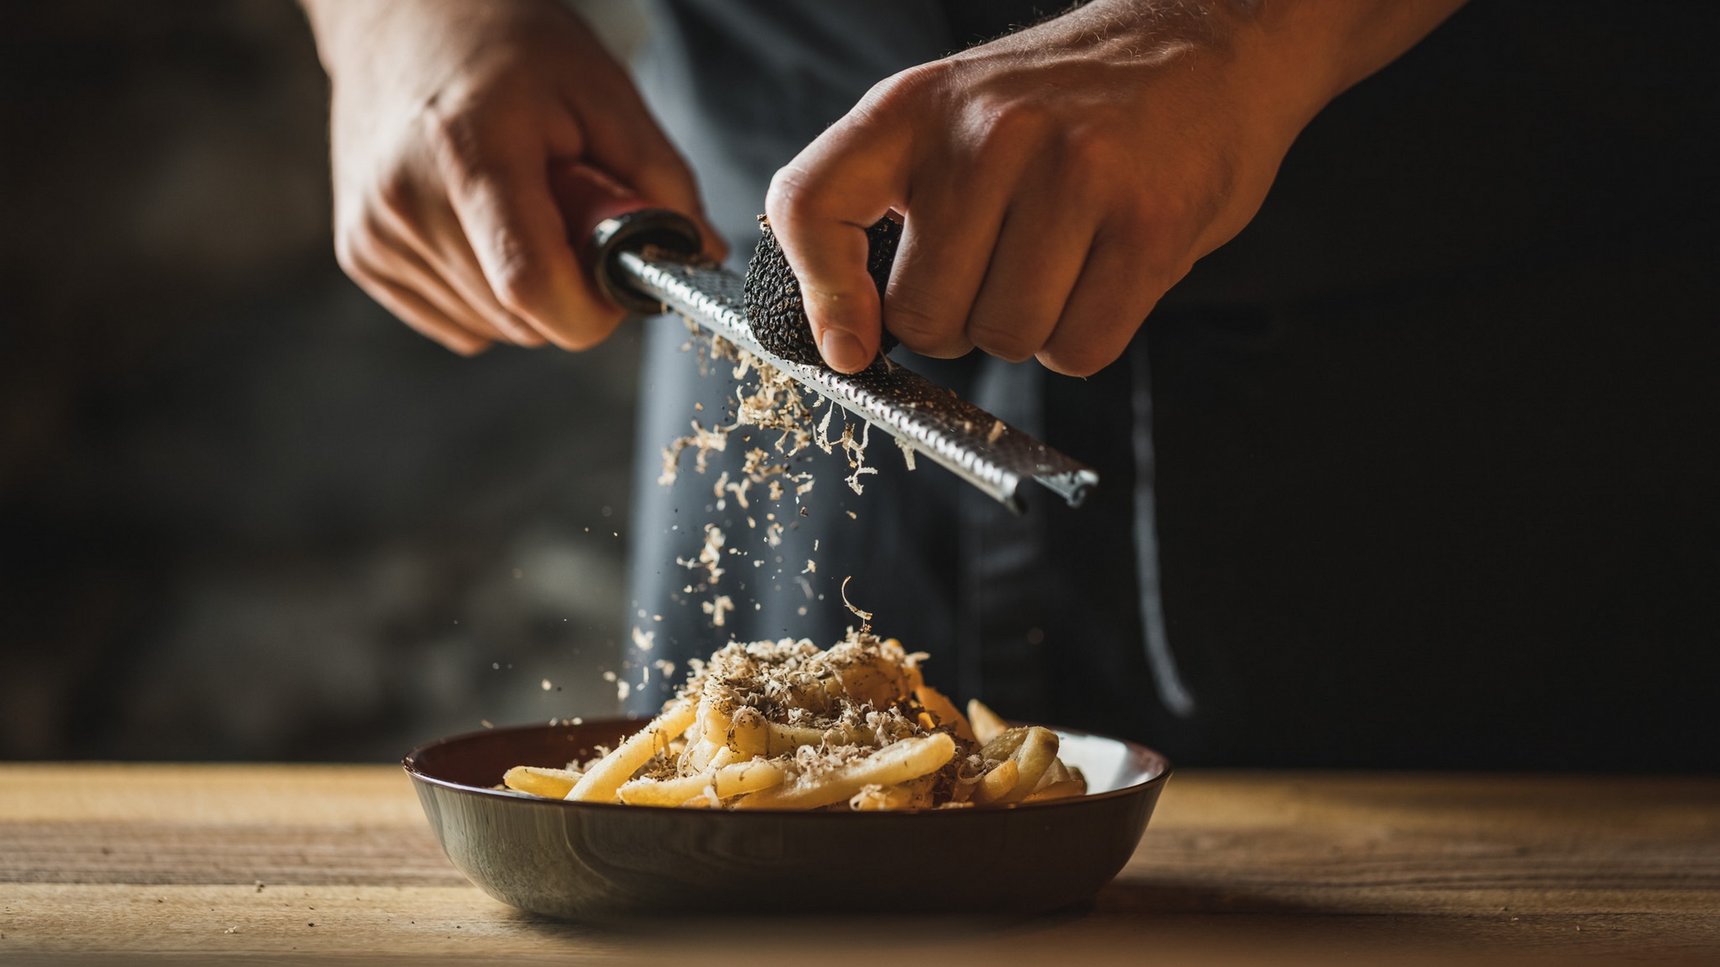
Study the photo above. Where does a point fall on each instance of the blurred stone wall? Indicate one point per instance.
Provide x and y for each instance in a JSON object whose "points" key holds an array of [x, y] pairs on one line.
{"points": [[243, 512]]}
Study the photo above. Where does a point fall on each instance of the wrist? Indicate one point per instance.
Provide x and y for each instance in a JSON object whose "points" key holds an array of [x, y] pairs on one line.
{"points": [[1285, 60], [1316, 49], [333, 24], [1271, 64]]}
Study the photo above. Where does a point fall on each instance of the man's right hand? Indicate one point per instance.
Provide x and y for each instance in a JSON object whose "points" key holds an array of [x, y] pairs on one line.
{"points": [[447, 118]]}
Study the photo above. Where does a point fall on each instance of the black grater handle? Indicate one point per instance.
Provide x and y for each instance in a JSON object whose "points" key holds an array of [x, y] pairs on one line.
{"points": [[605, 218]]}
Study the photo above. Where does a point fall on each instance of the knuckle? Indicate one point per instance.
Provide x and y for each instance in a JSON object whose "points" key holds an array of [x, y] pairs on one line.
{"points": [[906, 87], [792, 196], [587, 334], [1171, 210], [1010, 121], [1142, 231], [1002, 339], [919, 327], [465, 347], [1088, 152], [1075, 360], [346, 255], [519, 282], [520, 335], [394, 190], [456, 140], [355, 252], [1082, 356], [453, 132], [1137, 221], [525, 287], [578, 338]]}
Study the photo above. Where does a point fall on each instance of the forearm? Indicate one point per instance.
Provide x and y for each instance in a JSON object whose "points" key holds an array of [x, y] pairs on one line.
{"points": [[1289, 58], [334, 23], [353, 37], [1323, 47]]}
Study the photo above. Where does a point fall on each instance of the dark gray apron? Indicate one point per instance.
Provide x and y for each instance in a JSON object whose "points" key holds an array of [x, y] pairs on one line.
{"points": [[1423, 454]]}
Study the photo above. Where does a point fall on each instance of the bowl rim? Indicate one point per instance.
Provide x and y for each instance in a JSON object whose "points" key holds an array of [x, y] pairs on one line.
{"points": [[410, 763]]}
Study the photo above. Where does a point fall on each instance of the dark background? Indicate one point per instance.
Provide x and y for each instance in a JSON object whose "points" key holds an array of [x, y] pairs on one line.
{"points": [[244, 513], [1451, 462]]}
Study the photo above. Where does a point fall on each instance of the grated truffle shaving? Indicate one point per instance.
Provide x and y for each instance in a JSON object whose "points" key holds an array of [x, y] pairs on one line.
{"points": [[718, 607], [859, 693]]}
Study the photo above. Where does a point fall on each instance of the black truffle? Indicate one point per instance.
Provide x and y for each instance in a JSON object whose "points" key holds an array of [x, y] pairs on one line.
{"points": [[772, 294]]}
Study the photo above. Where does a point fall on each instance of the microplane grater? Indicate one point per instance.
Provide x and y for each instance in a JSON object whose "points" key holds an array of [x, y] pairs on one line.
{"points": [[922, 416]]}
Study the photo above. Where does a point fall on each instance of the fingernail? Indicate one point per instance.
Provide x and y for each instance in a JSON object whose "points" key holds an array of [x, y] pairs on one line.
{"points": [[842, 351]]}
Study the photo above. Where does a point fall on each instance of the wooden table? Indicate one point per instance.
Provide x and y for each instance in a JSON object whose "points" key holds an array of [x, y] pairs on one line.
{"points": [[287, 863]]}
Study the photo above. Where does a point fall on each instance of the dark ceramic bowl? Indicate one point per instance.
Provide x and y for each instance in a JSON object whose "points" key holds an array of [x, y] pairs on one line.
{"points": [[595, 861]]}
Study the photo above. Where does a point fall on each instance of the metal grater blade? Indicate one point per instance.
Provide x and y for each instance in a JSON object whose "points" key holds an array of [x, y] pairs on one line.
{"points": [[933, 421]]}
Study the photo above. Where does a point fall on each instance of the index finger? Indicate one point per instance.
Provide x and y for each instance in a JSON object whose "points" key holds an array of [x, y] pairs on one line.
{"points": [[820, 206], [510, 216]]}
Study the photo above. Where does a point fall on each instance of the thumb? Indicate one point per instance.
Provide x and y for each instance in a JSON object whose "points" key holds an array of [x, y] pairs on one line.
{"points": [[820, 206]]}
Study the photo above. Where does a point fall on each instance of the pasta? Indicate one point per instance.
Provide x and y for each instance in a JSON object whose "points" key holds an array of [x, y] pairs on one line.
{"points": [[787, 725]]}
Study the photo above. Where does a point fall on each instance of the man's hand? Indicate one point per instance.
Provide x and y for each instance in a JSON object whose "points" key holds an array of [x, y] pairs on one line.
{"points": [[1057, 182], [447, 118]]}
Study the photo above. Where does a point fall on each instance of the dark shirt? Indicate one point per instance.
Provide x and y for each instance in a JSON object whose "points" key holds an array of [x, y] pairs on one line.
{"points": [[1423, 460]]}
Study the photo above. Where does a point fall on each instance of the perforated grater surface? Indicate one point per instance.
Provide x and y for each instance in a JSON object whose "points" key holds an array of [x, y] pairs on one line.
{"points": [[927, 418]]}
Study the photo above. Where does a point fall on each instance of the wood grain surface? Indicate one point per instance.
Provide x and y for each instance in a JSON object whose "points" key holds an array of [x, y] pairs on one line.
{"points": [[282, 864]]}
